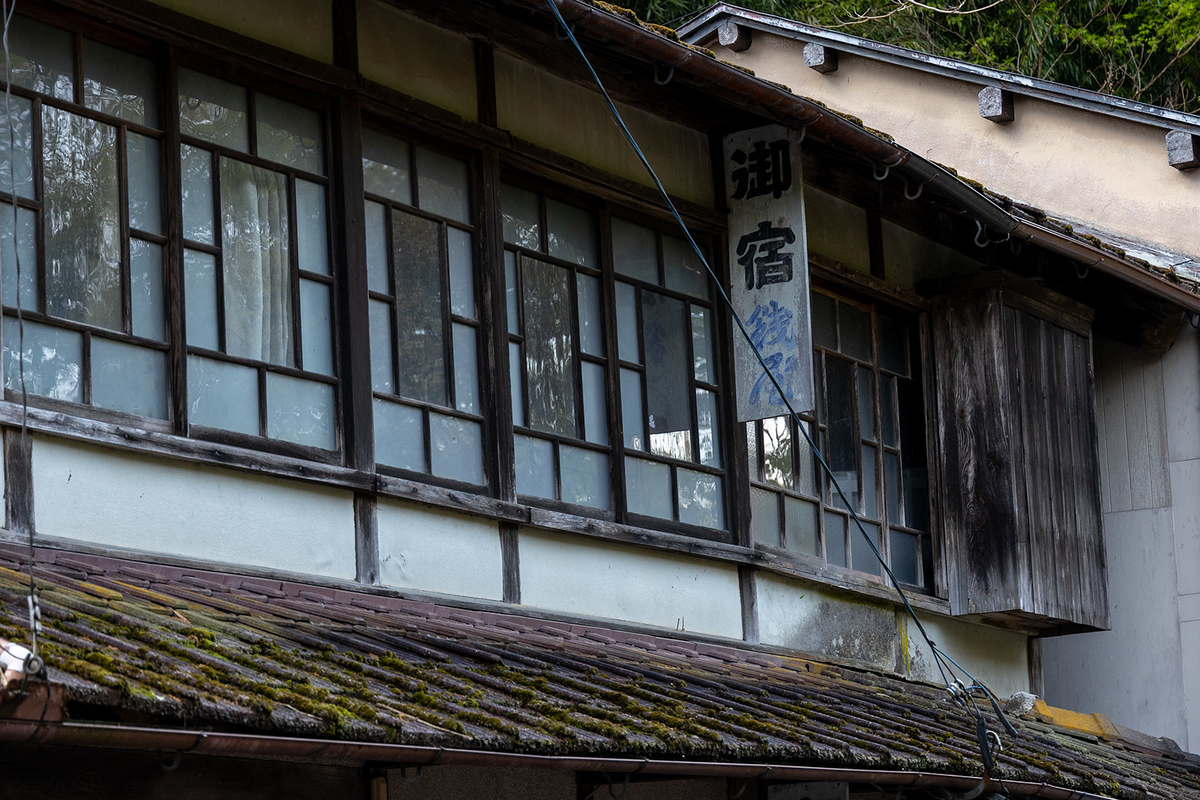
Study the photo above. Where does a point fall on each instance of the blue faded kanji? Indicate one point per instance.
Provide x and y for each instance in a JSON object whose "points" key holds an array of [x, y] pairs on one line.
{"points": [[771, 326], [784, 376]]}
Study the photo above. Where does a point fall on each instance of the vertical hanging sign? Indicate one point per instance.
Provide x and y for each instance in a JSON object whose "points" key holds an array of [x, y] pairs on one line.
{"points": [[768, 258]]}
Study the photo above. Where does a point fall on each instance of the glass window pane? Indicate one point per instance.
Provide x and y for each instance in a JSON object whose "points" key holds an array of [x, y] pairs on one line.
{"points": [[824, 327], [864, 558], [887, 392], [300, 411], [585, 478], [535, 467], [854, 325], [312, 229], [21, 117], [801, 525], [633, 421], [591, 340], [466, 369], [701, 499], [198, 224], [684, 270], [52, 357], [43, 58], [595, 410], [289, 134], [213, 110], [120, 84], [635, 251], [222, 395], [627, 323], [916, 499], [891, 479], [82, 219], [708, 425], [129, 378], [421, 335], [316, 327], [462, 273], [146, 289], [455, 448], [571, 233], [511, 295], [648, 488], [145, 203], [386, 166], [805, 463], [870, 488], [904, 556], [751, 430], [893, 346], [254, 261], [669, 400], [777, 452], [866, 403], [399, 436], [522, 217], [200, 290], [27, 250], [702, 345], [381, 346], [442, 185], [549, 353], [835, 539], [843, 444], [515, 387], [377, 266], [764, 517]]}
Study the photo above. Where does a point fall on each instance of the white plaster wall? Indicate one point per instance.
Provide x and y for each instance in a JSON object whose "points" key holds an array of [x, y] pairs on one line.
{"points": [[417, 58], [434, 551], [997, 657], [582, 576], [108, 497], [567, 118], [302, 26]]}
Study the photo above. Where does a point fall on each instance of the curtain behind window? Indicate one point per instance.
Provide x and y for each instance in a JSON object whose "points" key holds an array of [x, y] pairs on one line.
{"points": [[258, 299]]}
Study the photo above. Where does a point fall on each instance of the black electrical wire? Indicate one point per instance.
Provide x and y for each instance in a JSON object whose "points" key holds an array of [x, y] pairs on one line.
{"points": [[960, 693]]}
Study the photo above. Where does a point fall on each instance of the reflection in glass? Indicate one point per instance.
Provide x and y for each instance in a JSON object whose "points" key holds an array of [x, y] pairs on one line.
{"points": [[21, 117], [511, 294], [300, 411], [683, 268], [254, 263], [386, 166], [27, 244], [82, 219], [669, 405], [312, 230], [535, 467], [777, 452], [222, 395], [801, 525], [571, 233], [119, 84], [627, 323], [200, 289], [633, 421], [843, 443], [855, 327], [289, 134], [549, 356], [648, 488], [584, 477], [702, 345], [213, 110], [455, 448], [198, 223], [522, 217], [145, 204], [864, 558], [707, 423], [517, 391], [375, 217], [805, 466], [129, 378], [701, 499], [590, 338], [764, 517], [53, 360], [635, 250], [442, 185], [43, 58], [399, 436], [462, 273], [595, 410], [380, 315], [466, 370], [146, 289], [316, 327], [420, 332]]}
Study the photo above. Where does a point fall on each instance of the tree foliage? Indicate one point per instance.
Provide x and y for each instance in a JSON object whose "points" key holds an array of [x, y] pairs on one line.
{"points": [[1146, 50]]}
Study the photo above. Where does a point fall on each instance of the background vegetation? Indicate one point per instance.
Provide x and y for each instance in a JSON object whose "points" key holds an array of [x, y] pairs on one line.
{"points": [[1145, 50]]}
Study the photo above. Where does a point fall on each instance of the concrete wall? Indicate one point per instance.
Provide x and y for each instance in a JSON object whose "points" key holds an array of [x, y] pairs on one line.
{"points": [[1119, 179], [1145, 672]]}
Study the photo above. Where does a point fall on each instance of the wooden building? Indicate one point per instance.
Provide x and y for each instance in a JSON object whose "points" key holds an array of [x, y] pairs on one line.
{"points": [[369, 425]]}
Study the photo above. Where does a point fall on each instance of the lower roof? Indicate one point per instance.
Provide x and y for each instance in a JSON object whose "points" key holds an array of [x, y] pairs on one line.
{"points": [[263, 666]]}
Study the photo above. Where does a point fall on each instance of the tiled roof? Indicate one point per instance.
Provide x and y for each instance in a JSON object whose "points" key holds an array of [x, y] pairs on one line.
{"points": [[172, 645]]}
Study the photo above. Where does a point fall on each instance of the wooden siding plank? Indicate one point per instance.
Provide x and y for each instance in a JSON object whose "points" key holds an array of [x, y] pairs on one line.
{"points": [[1095, 562], [1113, 414], [1024, 430]]}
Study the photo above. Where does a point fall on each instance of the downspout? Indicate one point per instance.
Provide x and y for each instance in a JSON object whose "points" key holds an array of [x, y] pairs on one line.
{"points": [[251, 745]]}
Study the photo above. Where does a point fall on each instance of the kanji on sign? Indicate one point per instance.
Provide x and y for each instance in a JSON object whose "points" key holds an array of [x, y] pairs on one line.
{"points": [[790, 366], [766, 169], [771, 326], [759, 253]]}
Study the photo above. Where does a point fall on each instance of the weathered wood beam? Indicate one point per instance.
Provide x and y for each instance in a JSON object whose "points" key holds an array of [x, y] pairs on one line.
{"points": [[820, 58], [996, 104], [736, 37], [1183, 149]]}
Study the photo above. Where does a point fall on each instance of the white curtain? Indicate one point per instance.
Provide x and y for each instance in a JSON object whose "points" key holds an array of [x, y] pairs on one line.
{"points": [[254, 248]]}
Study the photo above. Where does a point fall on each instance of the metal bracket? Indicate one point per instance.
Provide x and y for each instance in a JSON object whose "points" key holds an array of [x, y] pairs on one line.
{"points": [[666, 80]]}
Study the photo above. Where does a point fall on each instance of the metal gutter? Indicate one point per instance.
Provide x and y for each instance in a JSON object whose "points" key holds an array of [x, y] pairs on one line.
{"points": [[807, 114], [252, 745], [705, 25]]}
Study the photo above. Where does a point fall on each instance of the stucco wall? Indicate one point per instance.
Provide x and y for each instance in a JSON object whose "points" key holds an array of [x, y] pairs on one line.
{"points": [[433, 551], [1108, 171], [302, 26]]}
